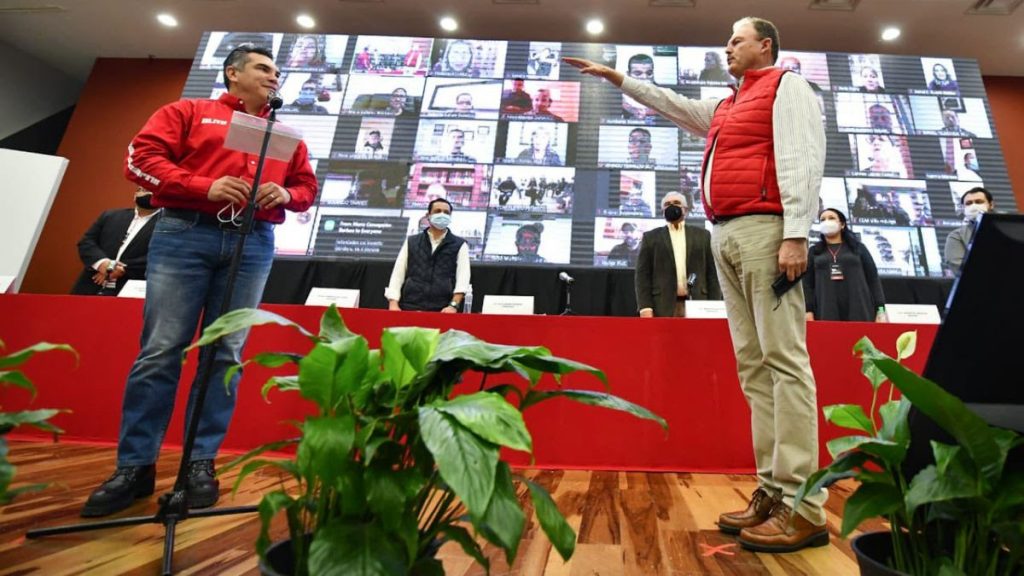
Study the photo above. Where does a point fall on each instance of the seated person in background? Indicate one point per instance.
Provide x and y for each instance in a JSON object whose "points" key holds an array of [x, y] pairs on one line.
{"points": [[627, 251], [714, 70], [634, 202], [517, 100], [674, 264], [539, 151], [841, 282], [951, 124], [431, 272], [941, 79], [541, 106], [373, 147], [884, 156], [463, 106], [306, 52], [792, 63], [869, 79], [969, 171], [640, 146], [114, 248], [528, 243], [640, 67], [458, 140], [975, 202], [879, 118], [458, 60], [306, 103], [397, 102]]}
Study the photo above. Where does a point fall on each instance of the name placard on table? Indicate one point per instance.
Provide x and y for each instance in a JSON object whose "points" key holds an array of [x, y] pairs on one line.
{"points": [[913, 313], [340, 297], [133, 289], [705, 309], [507, 305]]}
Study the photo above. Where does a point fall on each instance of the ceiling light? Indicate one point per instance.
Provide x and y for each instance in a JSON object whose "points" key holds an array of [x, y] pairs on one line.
{"points": [[449, 24], [595, 26], [167, 20], [305, 20], [891, 33]]}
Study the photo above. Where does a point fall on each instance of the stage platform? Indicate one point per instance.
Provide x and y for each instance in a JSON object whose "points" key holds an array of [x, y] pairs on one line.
{"points": [[683, 369]]}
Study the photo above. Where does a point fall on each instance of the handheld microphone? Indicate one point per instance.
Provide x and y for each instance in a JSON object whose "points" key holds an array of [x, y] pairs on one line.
{"points": [[274, 101], [566, 278]]}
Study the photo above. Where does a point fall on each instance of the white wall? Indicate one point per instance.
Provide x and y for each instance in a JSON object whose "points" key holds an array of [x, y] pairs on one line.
{"points": [[31, 90]]}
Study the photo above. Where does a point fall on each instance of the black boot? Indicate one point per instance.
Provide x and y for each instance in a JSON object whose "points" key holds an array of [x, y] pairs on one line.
{"points": [[120, 490], [203, 488]]}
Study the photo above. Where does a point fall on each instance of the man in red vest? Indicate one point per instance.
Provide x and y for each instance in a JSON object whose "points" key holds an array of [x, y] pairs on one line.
{"points": [[763, 162]]}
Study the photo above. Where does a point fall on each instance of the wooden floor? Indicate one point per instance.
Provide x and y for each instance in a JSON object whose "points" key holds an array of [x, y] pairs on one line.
{"points": [[627, 524]]}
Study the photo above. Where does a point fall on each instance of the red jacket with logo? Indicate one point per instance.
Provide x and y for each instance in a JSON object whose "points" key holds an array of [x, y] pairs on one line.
{"points": [[743, 180], [180, 152]]}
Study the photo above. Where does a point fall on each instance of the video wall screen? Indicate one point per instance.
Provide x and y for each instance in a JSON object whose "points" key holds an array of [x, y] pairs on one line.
{"points": [[547, 167]]}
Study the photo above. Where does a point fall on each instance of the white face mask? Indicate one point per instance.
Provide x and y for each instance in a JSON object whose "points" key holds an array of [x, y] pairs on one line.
{"points": [[972, 211], [440, 220], [829, 227]]}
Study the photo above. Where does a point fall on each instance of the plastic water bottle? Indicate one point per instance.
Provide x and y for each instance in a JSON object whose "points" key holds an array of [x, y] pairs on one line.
{"points": [[467, 300]]}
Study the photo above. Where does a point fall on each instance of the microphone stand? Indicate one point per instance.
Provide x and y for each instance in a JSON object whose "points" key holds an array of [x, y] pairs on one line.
{"points": [[173, 506], [567, 311]]}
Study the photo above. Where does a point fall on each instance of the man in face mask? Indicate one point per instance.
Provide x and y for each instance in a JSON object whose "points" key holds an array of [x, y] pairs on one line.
{"points": [[432, 270], [675, 264], [114, 248], [975, 202]]}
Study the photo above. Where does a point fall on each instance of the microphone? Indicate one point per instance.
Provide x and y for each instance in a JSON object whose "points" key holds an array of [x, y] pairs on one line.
{"points": [[566, 278], [691, 279], [274, 101]]}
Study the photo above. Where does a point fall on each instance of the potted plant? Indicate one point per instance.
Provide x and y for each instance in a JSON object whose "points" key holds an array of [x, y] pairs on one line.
{"points": [[391, 466], [10, 376], [961, 515]]}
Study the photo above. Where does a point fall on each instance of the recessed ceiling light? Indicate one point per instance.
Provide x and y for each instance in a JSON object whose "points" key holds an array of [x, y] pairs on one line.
{"points": [[449, 24], [305, 20], [891, 33], [167, 20], [595, 26]]}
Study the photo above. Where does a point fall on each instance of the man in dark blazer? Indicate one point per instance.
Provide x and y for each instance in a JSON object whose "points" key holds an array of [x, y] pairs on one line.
{"points": [[114, 248], [662, 288]]}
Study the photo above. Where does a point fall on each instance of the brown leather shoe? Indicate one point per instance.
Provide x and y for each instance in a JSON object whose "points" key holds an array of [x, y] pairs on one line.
{"points": [[757, 511], [779, 534]]}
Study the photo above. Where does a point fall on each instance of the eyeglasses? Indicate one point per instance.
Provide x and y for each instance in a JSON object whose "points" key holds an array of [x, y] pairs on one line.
{"points": [[640, 140]]}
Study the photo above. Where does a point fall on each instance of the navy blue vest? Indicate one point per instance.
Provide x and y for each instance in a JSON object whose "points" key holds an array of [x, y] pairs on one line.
{"points": [[430, 277]]}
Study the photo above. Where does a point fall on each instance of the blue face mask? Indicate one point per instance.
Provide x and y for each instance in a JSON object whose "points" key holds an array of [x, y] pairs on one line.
{"points": [[440, 220], [306, 97]]}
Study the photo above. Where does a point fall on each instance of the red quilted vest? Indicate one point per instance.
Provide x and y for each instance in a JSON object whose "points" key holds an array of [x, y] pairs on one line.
{"points": [[743, 180]]}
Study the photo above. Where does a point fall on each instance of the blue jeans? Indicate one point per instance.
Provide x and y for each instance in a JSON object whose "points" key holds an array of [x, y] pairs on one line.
{"points": [[186, 277]]}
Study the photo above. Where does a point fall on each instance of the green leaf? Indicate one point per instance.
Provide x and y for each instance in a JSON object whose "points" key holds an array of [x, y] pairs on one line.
{"points": [[282, 383], [868, 501], [18, 379], [36, 418], [895, 426], [890, 452], [468, 544], [331, 371], [276, 359], [8, 495], [387, 492], [325, 446], [343, 549], [849, 416], [1009, 495], [492, 418], [243, 319], [332, 326], [930, 485], [504, 390], [504, 521], [466, 462], [16, 358], [270, 505], [845, 466], [428, 567], [906, 345], [551, 520], [406, 352], [594, 399]]}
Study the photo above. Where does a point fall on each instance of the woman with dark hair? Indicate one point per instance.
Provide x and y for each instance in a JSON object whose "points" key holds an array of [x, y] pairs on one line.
{"points": [[458, 60], [941, 79], [841, 282], [307, 51]]}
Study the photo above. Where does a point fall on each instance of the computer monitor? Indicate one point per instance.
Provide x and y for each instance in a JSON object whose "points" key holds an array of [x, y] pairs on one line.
{"points": [[976, 355]]}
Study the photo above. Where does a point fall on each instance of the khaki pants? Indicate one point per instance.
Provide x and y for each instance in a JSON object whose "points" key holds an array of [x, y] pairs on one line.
{"points": [[769, 339]]}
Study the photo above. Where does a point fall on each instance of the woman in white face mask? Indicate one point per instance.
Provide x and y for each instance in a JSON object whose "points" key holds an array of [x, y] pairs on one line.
{"points": [[842, 281]]}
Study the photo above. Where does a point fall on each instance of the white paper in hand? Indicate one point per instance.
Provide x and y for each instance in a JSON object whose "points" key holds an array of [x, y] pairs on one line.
{"points": [[245, 134]]}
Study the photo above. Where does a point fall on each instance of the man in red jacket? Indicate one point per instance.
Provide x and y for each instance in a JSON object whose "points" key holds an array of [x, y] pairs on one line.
{"points": [[763, 162], [202, 186]]}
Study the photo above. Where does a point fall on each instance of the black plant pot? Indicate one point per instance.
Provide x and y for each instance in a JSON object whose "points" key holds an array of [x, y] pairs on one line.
{"points": [[280, 559], [874, 551]]}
